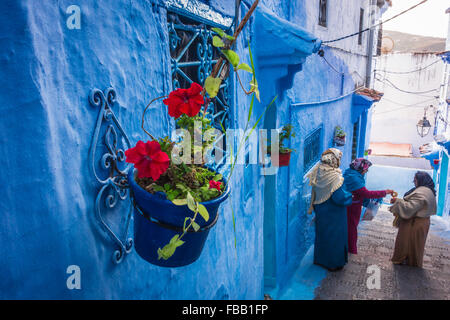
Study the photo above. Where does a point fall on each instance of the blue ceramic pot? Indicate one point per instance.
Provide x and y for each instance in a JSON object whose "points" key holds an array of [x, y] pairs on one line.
{"points": [[157, 220]]}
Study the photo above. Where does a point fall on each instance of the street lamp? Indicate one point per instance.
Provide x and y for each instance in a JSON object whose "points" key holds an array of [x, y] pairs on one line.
{"points": [[423, 126]]}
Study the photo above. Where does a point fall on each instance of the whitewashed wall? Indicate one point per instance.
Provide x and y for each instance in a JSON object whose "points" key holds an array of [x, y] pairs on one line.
{"points": [[447, 44], [396, 115], [344, 20]]}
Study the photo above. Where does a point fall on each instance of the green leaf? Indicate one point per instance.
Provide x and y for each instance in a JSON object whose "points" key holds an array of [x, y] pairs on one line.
{"points": [[167, 186], [169, 249], [178, 243], [232, 57], [250, 110], [183, 188], [158, 188], [174, 238], [172, 194], [191, 202], [217, 42], [203, 212], [222, 33], [195, 226], [254, 88], [245, 67], [166, 252], [219, 31], [212, 86], [218, 177], [251, 58], [179, 202], [259, 119], [253, 83], [229, 37]]}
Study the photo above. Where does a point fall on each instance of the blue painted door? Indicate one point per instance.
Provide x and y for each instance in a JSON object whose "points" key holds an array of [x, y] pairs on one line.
{"points": [[442, 184]]}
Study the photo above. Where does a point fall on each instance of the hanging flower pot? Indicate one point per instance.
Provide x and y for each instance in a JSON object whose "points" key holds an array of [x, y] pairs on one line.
{"points": [[156, 219], [339, 137], [339, 141], [176, 196]]}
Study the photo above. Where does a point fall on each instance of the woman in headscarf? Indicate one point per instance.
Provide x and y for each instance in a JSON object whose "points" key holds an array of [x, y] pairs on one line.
{"points": [[355, 183], [413, 212], [329, 201]]}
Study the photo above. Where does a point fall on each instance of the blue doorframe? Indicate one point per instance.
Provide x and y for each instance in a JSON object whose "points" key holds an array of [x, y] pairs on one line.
{"points": [[362, 134], [356, 138], [442, 184]]}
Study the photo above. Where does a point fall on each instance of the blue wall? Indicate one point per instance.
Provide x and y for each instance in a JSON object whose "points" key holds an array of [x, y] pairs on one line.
{"points": [[287, 194], [48, 189]]}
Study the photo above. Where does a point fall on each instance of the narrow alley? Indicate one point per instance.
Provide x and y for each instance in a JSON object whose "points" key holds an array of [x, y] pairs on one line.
{"points": [[375, 247]]}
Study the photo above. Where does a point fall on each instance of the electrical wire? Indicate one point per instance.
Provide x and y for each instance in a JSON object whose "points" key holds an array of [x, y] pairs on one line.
{"points": [[321, 54], [420, 93], [374, 26], [393, 110], [409, 105], [406, 72], [346, 51], [411, 92], [405, 106]]}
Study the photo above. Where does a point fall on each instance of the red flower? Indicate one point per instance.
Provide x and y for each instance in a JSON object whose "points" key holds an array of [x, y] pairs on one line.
{"points": [[215, 184], [188, 101], [148, 159]]}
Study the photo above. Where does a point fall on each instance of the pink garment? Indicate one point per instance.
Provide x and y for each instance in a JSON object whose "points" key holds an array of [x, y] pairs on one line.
{"points": [[354, 214]]}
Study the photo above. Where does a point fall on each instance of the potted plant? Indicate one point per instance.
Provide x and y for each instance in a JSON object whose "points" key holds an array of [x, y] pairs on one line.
{"points": [[339, 136], [176, 195], [176, 203], [284, 154]]}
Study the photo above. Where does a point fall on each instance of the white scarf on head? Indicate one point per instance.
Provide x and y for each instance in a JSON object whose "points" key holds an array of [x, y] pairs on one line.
{"points": [[326, 177]]}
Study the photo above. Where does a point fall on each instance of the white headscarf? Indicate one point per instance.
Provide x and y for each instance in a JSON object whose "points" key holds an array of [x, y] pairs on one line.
{"points": [[326, 177]]}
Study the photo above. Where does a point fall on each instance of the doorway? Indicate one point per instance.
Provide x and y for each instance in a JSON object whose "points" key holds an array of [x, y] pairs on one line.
{"points": [[442, 184]]}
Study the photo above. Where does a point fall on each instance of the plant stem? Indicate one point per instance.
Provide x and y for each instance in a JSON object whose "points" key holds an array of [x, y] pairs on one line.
{"points": [[187, 228], [143, 116], [221, 60], [242, 86]]}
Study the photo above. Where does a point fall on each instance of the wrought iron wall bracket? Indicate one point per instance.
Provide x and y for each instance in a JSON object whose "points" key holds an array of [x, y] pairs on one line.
{"points": [[110, 169]]}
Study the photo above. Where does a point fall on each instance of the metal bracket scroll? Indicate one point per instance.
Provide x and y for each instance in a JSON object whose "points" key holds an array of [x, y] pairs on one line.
{"points": [[110, 169]]}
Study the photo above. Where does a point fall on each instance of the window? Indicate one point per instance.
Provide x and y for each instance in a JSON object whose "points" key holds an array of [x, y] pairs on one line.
{"points": [[192, 57], [312, 149], [361, 25], [323, 13]]}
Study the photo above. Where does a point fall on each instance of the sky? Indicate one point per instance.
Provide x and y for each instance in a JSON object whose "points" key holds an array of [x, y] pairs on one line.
{"points": [[428, 19]]}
